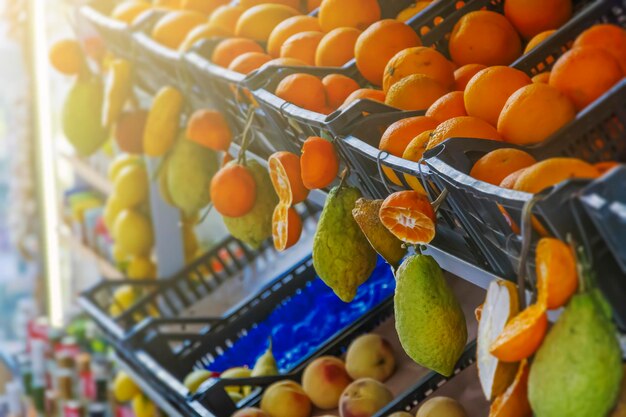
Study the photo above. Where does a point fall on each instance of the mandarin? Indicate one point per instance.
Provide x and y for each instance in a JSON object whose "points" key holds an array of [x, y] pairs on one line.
{"points": [[227, 50], [418, 60], [172, 29], [553, 171], [248, 62], [336, 47], [338, 88], [304, 90], [537, 39], [447, 106], [302, 46], [225, 18], [463, 74], [358, 14], [611, 38], [287, 28], [497, 165], [462, 127], [531, 17], [415, 92]]}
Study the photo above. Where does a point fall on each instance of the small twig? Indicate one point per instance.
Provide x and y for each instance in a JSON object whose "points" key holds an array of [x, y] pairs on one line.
{"points": [[245, 142], [343, 176]]}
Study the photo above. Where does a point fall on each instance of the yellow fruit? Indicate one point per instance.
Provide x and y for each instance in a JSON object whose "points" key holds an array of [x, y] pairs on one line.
{"points": [[143, 407], [258, 22], [174, 26], [124, 297], [112, 208], [163, 119], [118, 254], [141, 267], [117, 89], [133, 233], [120, 162], [130, 187], [124, 388]]}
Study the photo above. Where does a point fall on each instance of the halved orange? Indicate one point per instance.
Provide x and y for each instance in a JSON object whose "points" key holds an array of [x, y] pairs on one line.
{"points": [[557, 278], [514, 401], [409, 216], [284, 170], [522, 336], [286, 226]]}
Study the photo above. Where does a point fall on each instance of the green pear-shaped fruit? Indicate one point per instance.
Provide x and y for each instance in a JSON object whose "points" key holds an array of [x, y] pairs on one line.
{"points": [[256, 226], [578, 369], [342, 256], [388, 246], [266, 364], [81, 116], [429, 320]]}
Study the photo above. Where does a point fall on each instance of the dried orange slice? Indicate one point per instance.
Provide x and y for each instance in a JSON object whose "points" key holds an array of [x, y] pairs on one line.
{"points": [[286, 226], [285, 174], [557, 278], [409, 216], [522, 336], [514, 401]]}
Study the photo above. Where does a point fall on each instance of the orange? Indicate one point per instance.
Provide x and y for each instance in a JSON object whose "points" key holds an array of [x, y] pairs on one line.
{"points": [[414, 152], [358, 14], [463, 74], [203, 6], [258, 22], [541, 78], [285, 62], [487, 92], [533, 113], [557, 279], [338, 87], [200, 32], [209, 129], [415, 92], [484, 37], [537, 39], [336, 47], [312, 5], [173, 27], [531, 17], [225, 18], [319, 163], [462, 127], [496, 165], [66, 56], [286, 177], [447, 106], [246, 4], [611, 38], [229, 49], [522, 336], [514, 401], [248, 62], [286, 227], [378, 44], [302, 46], [167, 4], [362, 94], [604, 167], [303, 90], [287, 28], [551, 172], [584, 74], [399, 134], [412, 10], [233, 190], [418, 60], [409, 216], [509, 181], [127, 11]]}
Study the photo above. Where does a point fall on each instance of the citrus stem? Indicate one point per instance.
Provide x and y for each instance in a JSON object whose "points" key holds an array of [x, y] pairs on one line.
{"points": [[343, 176], [245, 141]]}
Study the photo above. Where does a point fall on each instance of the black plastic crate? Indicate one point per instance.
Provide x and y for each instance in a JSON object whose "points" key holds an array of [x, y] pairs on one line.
{"points": [[186, 293], [604, 201], [477, 206], [116, 34]]}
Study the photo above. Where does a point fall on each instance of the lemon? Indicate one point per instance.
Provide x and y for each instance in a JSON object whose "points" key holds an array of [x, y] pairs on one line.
{"points": [[124, 388], [133, 233], [130, 186], [111, 209], [143, 407], [121, 161], [124, 296], [141, 267], [119, 255], [115, 310], [195, 378]]}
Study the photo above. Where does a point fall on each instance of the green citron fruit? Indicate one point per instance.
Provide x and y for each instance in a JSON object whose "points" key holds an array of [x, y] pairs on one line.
{"points": [[190, 168], [429, 320], [578, 369], [256, 226], [342, 256], [130, 187], [195, 378], [388, 246], [132, 232], [81, 116], [265, 365]]}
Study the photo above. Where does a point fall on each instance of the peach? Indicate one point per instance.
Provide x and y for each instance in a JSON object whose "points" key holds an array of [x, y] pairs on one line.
{"points": [[286, 399], [370, 356], [250, 412], [363, 398], [324, 380]]}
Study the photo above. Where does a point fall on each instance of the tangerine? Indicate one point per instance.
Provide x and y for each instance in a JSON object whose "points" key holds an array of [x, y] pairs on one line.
{"points": [[497, 165], [557, 279], [233, 190], [302, 46], [447, 106], [248, 62], [286, 227], [358, 14], [338, 88], [409, 216], [418, 60], [227, 50], [462, 127], [531, 17], [522, 335], [415, 92], [303, 90], [319, 163], [337, 47], [287, 28], [286, 177], [209, 129], [611, 38], [463, 74]]}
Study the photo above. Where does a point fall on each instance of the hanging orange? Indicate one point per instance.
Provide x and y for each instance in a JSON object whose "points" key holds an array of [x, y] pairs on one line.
{"points": [[286, 226], [557, 279], [209, 129], [285, 173], [233, 190], [409, 216], [319, 163], [522, 336], [514, 401]]}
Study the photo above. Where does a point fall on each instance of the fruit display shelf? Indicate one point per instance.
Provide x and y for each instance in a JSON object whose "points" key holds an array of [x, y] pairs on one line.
{"points": [[225, 270], [88, 174], [170, 349], [604, 201]]}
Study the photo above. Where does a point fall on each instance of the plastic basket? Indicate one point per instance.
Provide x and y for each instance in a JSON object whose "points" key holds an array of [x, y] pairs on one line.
{"points": [[117, 35], [172, 348], [186, 294], [479, 206], [604, 201]]}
